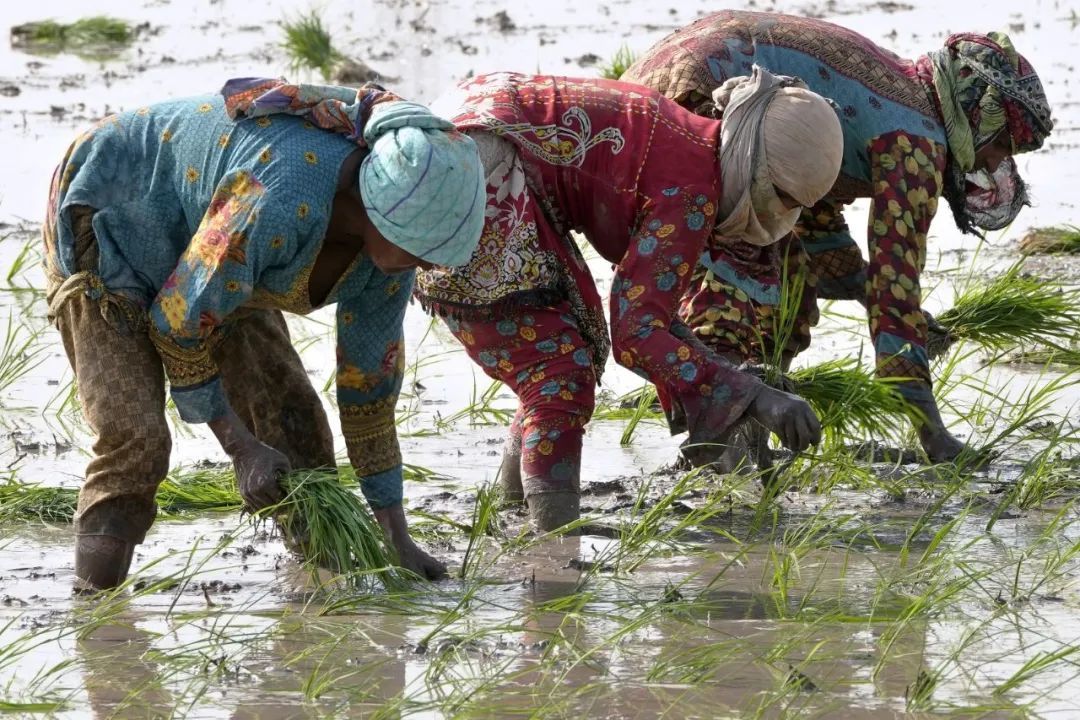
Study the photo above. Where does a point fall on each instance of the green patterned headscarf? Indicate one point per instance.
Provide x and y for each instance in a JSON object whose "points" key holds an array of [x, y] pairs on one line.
{"points": [[984, 85]]}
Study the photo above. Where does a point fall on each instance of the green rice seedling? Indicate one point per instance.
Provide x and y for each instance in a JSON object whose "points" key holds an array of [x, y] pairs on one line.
{"points": [[625, 406], [918, 696], [22, 708], [421, 474], [65, 401], [1051, 241], [1042, 662], [333, 528], [620, 62], [19, 353], [26, 255], [485, 521], [98, 32], [646, 400], [851, 401], [1013, 420], [1043, 480], [199, 490], [1015, 309], [21, 502], [185, 491], [308, 45], [1069, 357], [1053, 554], [652, 525], [179, 494], [481, 409]]}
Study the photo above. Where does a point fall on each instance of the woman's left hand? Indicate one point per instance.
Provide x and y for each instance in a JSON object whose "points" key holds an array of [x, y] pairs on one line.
{"points": [[410, 556]]}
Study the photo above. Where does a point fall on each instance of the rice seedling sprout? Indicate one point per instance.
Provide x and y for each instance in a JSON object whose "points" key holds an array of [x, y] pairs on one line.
{"points": [[1015, 309], [620, 62], [308, 45]]}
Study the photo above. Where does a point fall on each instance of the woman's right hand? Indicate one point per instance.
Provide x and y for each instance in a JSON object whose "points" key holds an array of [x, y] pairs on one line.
{"points": [[259, 469], [787, 415]]}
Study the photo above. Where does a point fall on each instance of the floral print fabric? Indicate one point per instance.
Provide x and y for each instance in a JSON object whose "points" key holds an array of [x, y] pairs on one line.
{"points": [[541, 356], [894, 153], [196, 217], [638, 177]]}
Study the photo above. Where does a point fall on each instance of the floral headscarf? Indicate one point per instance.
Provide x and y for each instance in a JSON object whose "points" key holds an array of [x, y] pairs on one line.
{"points": [[983, 85]]}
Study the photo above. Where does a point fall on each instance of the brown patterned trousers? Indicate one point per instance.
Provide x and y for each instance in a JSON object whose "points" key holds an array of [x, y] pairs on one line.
{"points": [[121, 385]]}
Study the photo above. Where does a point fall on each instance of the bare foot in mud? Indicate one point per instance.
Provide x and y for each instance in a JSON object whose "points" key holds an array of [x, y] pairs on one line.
{"points": [[510, 478], [727, 456], [937, 442], [409, 554], [788, 416]]}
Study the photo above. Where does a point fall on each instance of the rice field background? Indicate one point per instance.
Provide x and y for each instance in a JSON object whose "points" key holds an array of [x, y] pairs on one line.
{"points": [[862, 584]]}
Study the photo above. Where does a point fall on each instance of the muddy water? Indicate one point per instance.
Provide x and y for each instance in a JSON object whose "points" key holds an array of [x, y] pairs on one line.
{"points": [[707, 627]]}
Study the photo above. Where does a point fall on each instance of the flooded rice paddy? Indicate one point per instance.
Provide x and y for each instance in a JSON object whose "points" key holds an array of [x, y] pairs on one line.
{"points": [[863, 589]]}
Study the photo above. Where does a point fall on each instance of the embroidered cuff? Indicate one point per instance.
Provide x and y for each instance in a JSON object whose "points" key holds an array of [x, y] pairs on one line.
{"points": [[383, 490], [371, 436], [201, 403]]}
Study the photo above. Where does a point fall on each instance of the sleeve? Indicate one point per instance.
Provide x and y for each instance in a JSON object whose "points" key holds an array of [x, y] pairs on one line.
{"points": [[692, 382], [370, 367], [213, 277], [906, 172]]}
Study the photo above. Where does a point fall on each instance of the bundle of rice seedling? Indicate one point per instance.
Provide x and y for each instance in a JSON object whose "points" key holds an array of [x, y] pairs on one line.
{"points": [[850, 400], [1015, 309], [307, 43], [1051, 356], [1051, 241], [98, 31], [205, 488], [180, 493], [330, 525], [20, 502]]}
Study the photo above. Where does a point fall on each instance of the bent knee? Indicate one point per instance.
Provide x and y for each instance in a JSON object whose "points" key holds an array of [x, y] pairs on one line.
{"points": [[561, 394], [141, 451]]}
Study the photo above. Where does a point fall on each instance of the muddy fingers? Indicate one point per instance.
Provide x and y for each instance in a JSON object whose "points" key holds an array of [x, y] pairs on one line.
{"points": [[787, 415]]}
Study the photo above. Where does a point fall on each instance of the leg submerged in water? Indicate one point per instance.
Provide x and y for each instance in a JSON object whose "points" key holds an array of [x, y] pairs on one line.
{"points": [[542, 357], [101, 562], [510, 470]]}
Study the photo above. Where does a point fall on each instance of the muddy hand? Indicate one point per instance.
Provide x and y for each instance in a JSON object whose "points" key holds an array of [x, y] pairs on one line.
{"points": [[410, 556], [789, 416], [939, 338], [414, 559], [259, 469]]}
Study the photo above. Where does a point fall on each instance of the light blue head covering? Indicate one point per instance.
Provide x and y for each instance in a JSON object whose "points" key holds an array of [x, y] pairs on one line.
{"points": [[422, 183]]}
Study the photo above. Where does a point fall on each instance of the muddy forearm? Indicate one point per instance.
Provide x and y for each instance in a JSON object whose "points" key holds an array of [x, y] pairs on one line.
{"points": [[231, 433]]}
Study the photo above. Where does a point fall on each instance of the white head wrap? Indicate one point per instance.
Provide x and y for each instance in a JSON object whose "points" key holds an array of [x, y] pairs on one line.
{"points": [[776, 135]]}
